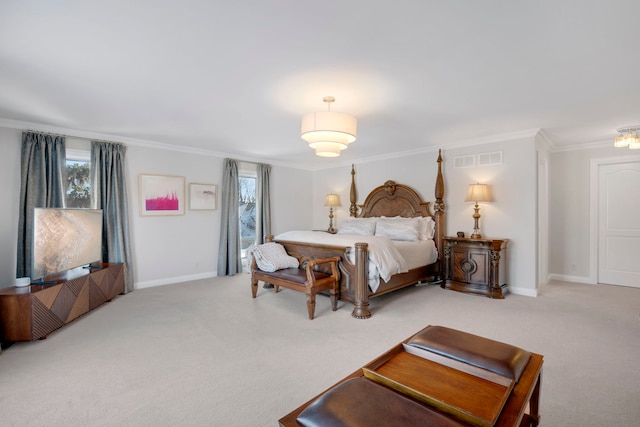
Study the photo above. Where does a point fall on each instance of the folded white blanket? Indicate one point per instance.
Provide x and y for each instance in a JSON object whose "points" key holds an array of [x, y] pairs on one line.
{"points": [[271, 257]]}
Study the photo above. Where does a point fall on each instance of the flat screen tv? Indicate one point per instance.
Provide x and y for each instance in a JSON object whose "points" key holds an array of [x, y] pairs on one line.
{"points": [[64, 239]]}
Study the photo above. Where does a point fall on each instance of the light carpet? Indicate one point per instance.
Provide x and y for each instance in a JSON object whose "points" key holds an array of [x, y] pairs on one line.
{"points": [[205, 353]]}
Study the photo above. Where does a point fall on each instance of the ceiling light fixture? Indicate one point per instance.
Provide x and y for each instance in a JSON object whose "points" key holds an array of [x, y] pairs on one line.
{"points": [[628, 137], [329, 132]]}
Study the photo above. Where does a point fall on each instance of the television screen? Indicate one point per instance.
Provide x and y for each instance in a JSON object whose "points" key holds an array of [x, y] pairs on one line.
{"points": [[64, 239]]}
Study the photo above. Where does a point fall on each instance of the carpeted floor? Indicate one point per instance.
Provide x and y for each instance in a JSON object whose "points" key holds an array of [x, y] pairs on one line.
{"points": [[205, 353]]}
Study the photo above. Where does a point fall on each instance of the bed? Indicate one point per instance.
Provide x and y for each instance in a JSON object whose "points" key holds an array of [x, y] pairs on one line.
{"points": [[385, 204]]}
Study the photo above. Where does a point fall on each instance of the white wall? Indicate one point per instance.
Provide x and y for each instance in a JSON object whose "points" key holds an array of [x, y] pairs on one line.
{"points": [[10, 143], [172, 248], [513, 214], [570, 237], [180, 248], [291, 199]]}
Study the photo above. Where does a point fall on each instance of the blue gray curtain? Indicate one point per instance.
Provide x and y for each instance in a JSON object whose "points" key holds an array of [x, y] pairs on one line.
{"points": [[108, 183], [229, 256], [42, 179], [263, 202]]}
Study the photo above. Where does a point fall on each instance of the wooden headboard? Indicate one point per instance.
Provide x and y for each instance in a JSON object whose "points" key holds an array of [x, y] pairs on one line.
{"points": [[392, 199]]}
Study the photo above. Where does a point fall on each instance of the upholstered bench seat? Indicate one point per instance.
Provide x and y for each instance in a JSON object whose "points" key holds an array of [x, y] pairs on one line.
{"points": [[296, 275], [504, 359], [359, 402]]}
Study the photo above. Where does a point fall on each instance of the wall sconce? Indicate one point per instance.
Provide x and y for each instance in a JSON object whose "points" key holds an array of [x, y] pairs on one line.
{"points": [[331, 200], [478, 193]]}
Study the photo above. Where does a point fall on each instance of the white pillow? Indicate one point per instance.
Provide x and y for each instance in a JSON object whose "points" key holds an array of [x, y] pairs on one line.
{"points": [[426, 225], [427, 228], [358, 226], [406, 229]]}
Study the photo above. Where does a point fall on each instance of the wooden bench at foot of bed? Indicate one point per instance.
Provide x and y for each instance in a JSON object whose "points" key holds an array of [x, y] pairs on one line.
{"points": [[307, 280]]}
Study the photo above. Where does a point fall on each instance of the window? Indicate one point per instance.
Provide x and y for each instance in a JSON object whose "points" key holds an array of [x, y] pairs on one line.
{"points": [[78, 180], [247, 211]]}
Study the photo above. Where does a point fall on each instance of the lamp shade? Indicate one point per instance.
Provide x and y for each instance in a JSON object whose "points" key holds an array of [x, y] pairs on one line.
{"points": [[328, 132], [478, 193], [332, 200]]}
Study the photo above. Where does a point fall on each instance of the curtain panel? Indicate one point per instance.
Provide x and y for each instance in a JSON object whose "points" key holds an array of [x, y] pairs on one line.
{"points": [[263, 202], [42, 185], [108, 184], [229, 255]]}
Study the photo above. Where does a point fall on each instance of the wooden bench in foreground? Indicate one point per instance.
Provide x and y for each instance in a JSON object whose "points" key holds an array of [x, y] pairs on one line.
{"points": [[439, 376]]}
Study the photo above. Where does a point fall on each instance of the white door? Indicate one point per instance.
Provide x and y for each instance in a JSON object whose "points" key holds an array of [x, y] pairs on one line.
{"points": [[619, 224]]}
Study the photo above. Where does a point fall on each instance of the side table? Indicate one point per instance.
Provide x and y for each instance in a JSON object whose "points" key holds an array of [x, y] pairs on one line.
{"points": [[476, 265]]}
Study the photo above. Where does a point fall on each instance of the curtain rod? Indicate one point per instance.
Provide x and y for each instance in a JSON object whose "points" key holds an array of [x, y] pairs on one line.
{"points": [[44, 133], [78, 137]]}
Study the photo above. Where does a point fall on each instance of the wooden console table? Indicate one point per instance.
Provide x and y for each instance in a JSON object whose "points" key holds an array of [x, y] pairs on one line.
{"points": [[33, 312]]}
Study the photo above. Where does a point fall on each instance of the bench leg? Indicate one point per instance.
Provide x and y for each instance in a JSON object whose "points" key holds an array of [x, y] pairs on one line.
{"points": [[254, 286], [311, 304], [334, 298], [534, 403]]}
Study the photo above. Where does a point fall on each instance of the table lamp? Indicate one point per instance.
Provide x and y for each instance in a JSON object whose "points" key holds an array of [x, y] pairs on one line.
{"points": [[477, 193], [331, 200]]}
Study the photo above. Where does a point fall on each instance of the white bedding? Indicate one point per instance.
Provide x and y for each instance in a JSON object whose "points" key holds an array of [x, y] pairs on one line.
{"points": [[385, 256], [417, 254]]}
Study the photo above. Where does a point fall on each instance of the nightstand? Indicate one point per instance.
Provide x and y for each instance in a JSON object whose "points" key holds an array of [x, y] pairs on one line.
{"points": [[476, 265]]}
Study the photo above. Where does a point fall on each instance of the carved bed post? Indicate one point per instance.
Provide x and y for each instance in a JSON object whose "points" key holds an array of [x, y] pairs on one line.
{"points": [[353, 209], [361, 296], [439, 210]]}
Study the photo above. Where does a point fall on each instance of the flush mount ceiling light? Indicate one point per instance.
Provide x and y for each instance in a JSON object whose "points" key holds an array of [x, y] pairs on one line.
{"points": [[328, 132], [628, 137]]}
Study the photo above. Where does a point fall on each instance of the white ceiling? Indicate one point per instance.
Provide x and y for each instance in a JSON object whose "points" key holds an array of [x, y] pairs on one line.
{"points": [[235, 77]]}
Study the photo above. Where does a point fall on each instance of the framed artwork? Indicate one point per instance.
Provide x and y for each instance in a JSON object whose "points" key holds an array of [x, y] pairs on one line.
{"points": [[202, 196], [161, 195]]}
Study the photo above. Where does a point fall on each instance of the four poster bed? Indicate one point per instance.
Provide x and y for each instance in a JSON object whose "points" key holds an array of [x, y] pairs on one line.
{"points": [[408, 227]]}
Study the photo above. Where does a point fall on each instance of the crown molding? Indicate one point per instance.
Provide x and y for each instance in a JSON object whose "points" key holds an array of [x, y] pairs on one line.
{"points": [[538, 133], [584, 146], [75, 133]]}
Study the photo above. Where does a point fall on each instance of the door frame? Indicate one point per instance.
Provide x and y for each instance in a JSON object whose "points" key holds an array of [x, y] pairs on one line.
{"points": [[594, 204]]}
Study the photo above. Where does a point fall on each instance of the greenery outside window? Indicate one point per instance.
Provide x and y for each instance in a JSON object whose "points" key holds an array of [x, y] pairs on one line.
{"points": [[78, 179]]}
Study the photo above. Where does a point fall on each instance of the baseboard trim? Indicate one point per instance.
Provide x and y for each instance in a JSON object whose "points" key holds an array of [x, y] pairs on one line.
{"points": [[172, 280], [523, 291], [574, 279]]}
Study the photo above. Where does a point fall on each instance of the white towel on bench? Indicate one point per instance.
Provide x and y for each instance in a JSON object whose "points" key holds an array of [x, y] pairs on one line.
{"points": [[271, 257]]}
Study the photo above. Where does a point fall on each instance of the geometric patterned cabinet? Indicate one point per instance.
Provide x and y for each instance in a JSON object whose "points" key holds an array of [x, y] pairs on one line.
{"points": [[33, 312], [476, 265]]}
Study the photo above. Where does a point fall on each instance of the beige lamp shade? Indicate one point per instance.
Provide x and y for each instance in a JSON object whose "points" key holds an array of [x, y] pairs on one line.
{"points": [[332, 200], [478, 193], [328, 132]]}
